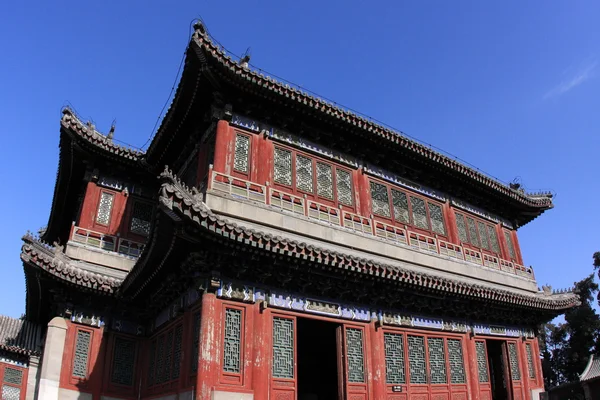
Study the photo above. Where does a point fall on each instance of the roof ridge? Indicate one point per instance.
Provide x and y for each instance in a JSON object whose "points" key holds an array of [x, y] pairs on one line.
{"points": [[203, 39]]}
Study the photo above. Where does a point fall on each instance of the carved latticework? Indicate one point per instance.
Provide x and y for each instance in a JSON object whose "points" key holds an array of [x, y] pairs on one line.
{"points": [[304, 173], [509, 244], [419, 213], [168, 357], [282, 166], [462, 228], [400, 204], [344, 187], [324, 181], [12, 375], [416, 359], [455, 359], [10, 393], [160, 357], [493, 239], [530, 364], [394, 358], [482, 234], [437, 360], [242, 152], [283, 348], [513, 360], [152, 363], [123, 362], [437, 218], [379, 199], [195, 341], [474, 239], [105, 208], [233, 337], [482, 368], [355, 355], [82, 347], [177, 352], [141, 218]]}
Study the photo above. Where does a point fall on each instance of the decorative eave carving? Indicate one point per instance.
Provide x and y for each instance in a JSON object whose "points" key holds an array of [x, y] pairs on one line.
{"points": [[53, 261], [182, 203]]}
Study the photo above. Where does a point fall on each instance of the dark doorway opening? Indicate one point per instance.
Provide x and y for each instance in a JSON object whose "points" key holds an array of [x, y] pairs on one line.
{"points": [[317, 360], [498, 370]]}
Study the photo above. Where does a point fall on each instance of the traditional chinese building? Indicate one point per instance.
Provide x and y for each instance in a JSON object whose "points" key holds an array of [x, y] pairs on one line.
{"points": [[271, 245]]}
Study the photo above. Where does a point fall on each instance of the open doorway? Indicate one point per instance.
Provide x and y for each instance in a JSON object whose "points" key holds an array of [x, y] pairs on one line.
{"points": [[317, 360], [498, 370]]}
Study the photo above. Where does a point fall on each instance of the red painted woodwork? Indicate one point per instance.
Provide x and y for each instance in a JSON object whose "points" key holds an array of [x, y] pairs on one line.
{"points": [[356, 390], [282, 388], [363, 193], [87, 218], [224, 143], [262, 342], [163, 335], [22, 386], [108, 386], [208, 364], [517, 247], [378, 362]]}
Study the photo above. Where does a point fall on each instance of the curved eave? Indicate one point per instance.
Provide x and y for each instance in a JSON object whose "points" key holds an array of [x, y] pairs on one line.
{"points": [[58, 266], [268, 87], [181, 204]]}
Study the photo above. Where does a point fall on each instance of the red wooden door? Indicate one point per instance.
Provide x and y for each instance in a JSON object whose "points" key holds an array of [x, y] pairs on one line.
{"points": [[514, 370], [354, 367], [284, 368]]}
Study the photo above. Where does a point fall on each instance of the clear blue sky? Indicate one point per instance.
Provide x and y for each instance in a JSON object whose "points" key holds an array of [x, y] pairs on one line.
{"points": [[511, 87]]}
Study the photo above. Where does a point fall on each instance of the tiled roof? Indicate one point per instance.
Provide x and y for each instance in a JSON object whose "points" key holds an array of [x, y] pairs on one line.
{"points": [[19, 336], [592, 370], [73, 124], [302, 99], [60, 266], [182, 203]]}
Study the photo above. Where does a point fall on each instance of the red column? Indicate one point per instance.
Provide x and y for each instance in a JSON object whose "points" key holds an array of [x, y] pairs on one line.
{"points": [[363, 194], [223, 148], [517, 247], [473, 372], [450, 220], [208, 356], [262, 353], [378, 361], [524, 367]]}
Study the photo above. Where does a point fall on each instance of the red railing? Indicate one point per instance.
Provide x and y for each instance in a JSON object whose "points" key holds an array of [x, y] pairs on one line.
{"points": [[323, 213]]}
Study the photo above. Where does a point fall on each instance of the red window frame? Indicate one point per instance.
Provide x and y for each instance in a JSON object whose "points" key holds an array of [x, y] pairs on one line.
{"points": [[112, 208], [314, 195], [72, 378], [131, 202], [117, 387], [513, 242], [170, 383], [233, 378], [234, 172], [469, 244], [23, 386], [409, 194]]}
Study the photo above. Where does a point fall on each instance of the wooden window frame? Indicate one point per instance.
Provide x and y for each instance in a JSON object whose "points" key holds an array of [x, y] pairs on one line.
{"points": [[469, 244], [409, 195], [314, 195], [72, 378], [117, 387], [234, 172], [23, 386], [504, 232], [114, 194], [132, 201], [170, 383], [233, 378]]}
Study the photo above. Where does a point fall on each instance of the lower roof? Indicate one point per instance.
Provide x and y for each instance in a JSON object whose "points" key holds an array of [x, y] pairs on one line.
{"points": [[20, 336]]}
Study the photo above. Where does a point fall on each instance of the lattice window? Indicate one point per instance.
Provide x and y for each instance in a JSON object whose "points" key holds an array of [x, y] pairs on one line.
{"points": [[12, 375], [513, 359], [282, 166], [416, 359], [356, 363], [177, 352], [437, 218], [168, 357], [152, 363], [82, 348], [283, 348], [419, 213], [530, 364], [462, 228], [474, 239], [455, 358], [195, 342], [437, 360], [233, 338], [379, 199], [400, 204], [141, 218], [325, 181], [344, 186], [493, 239], [10, 393], [304, 173], [394, 358], [123, 362], [160, 359], [482, 367], [105, 208], [242, 153], [509, 244], [483, 235]]}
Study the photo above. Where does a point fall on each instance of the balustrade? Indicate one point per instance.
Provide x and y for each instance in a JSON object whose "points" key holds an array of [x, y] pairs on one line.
{"points": [[106, 242]]}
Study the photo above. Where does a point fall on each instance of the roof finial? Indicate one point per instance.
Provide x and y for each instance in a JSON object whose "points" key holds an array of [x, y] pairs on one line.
{"points": [[111, 133], [245, 58]]}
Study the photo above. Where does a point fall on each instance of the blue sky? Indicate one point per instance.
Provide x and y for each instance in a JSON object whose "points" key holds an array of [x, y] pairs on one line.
{"points": [[511, 87]]}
